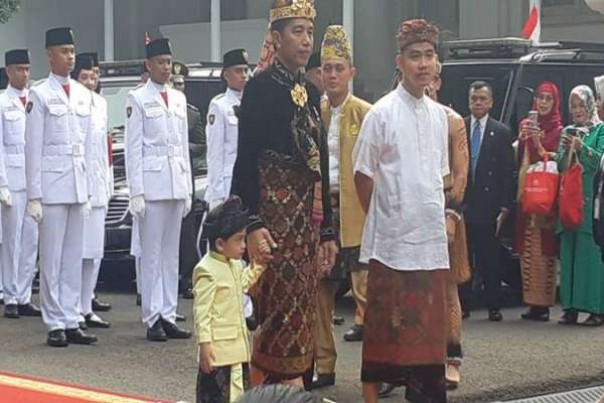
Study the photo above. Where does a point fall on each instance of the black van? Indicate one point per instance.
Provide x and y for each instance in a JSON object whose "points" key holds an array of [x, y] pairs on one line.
{"points": [[514, 68]]}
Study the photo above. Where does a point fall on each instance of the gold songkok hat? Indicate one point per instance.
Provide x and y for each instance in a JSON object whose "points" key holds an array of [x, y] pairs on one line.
{"points": [[414, 31], [336, 44], [283, 9]]}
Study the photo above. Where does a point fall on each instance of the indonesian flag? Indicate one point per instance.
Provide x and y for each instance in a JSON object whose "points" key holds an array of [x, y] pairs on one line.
{"points": [[532, 27], [147, 38]]}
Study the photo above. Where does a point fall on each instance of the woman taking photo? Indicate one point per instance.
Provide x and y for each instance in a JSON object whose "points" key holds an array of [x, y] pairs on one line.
{"points": [[536, 238], [582, 275]]}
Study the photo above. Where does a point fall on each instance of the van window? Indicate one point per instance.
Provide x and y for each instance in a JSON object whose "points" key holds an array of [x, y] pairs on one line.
{"points": [[458, 77]]}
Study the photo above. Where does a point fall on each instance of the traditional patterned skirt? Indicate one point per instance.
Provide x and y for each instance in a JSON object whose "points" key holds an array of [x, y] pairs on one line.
{"points": [[223, 385], [458, 255], [286, 293], [405, 324], [348, 258], [538, 269]]}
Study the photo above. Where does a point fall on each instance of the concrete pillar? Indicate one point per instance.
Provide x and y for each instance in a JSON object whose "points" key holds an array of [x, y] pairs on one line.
{"points": [[348, 23], [108, 30], [215, 44]]}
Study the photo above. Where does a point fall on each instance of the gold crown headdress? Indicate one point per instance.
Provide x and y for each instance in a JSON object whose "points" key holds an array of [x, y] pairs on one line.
{"points": [[336, 44], [283, 9]]}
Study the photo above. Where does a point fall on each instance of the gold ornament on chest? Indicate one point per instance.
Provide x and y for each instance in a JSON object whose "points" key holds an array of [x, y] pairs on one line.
{"points": [[299, 95]]}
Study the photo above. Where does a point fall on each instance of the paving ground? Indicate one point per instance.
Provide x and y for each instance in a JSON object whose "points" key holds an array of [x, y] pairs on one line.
{"points": [[504, 360]]}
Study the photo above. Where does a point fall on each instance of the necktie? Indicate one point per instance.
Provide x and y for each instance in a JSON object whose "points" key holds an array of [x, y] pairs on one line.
{"points": [[476, 142], [66, 89], [164, 95], [23, 100]]}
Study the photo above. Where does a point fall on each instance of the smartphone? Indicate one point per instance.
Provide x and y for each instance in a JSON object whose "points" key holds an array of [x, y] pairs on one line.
{"points": [[533, 117]]}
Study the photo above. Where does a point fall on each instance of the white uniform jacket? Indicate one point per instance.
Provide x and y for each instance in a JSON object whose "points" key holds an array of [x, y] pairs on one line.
{"points": [[157, 147], [222, 133], [12, 137], [58, 133], [99, 169]]}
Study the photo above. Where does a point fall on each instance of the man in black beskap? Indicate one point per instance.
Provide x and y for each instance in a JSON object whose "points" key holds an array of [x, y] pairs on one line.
{"points": [[489, 197]]}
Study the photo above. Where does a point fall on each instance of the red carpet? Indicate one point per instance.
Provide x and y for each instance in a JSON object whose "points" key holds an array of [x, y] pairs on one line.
{"points": [[27, 389]]}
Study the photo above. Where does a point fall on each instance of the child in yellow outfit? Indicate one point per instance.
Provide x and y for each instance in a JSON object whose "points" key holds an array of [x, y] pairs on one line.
{"points": [[219, 280]]}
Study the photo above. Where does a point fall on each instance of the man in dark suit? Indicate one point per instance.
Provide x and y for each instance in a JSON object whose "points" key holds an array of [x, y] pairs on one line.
{"points": [[489, 196]]}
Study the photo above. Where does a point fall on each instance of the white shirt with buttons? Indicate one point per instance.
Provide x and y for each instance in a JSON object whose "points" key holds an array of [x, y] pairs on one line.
{"points": [[403, 147], [333, 143]]}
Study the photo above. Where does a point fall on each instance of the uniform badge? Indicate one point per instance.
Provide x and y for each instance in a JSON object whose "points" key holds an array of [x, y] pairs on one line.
{"points": [[129, 111], [212, 119], [29, 107]]}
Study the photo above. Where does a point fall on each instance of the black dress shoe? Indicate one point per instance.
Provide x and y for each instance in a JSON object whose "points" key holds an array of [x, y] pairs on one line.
{"points": [[188, 293], [98, 306], [94, 321], [338, 320], [138, 300], [180, 318], [354, 334], [495, 315], [77, 336], [536, 314], [156, 332], [386, 389], [173, 331], [29, 310], [56, 338], [11, 311], [324, 380]]}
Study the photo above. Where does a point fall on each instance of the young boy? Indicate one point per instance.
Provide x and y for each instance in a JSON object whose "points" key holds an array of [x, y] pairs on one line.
{"points": [[218, 282]]}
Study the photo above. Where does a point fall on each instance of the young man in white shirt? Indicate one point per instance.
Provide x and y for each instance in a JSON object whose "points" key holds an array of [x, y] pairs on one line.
{"points": [[400, 160]]}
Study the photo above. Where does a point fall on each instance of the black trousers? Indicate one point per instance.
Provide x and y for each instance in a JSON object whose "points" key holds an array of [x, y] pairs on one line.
{"points": [[484, 254]]}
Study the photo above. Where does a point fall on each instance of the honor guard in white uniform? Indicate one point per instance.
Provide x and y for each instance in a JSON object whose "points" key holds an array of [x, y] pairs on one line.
{"points": [[19, 231], [222, 130], [159, 179], [95, 86], [94, 223], [57, 138]]}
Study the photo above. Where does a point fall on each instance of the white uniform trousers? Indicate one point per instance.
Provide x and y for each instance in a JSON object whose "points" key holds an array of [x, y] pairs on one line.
{"points": [[160, 239], [61, 251], [94, 245], [135, 250], [19, 251]]}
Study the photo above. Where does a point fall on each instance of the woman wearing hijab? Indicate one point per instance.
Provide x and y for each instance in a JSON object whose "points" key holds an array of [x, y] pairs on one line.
{"points": [[582, 275], [536, 238]]}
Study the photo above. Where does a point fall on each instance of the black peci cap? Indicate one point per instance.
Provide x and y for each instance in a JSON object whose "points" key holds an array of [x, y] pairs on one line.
{"points": [[59, 36], [16, 56], [158, 47], [314, 61], [93, 55], [236, 57]]}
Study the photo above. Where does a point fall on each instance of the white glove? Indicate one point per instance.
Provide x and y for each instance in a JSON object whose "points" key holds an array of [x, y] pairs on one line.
{"points": [[34, 209], [188, 204], [215, 203], [137, 206], [87, 209], [5, 197]]}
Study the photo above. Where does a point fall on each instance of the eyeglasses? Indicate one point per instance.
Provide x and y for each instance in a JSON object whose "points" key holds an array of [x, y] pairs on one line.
{"points": [[544, 97]]}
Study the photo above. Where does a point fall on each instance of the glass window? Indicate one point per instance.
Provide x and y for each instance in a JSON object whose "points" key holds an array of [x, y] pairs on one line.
{"points": [[458, 77]]}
